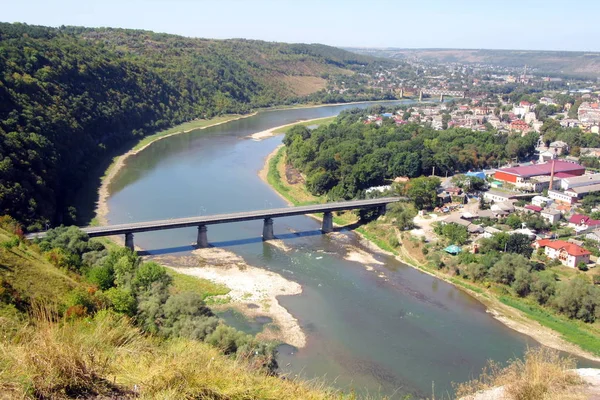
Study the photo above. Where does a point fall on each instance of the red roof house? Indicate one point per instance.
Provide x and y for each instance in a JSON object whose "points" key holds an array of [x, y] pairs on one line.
{"points": [[567, 253]]}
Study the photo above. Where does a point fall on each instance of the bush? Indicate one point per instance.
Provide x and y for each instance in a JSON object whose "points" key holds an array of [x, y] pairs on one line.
{"points": [[122, 301], [150, 273]]}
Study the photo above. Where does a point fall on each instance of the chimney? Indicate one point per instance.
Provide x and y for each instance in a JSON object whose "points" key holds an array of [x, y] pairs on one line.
{"points": [[552, 175]]}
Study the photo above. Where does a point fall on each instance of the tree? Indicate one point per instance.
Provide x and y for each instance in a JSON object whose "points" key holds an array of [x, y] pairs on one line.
{"points": [[543, 287], [519, 244], [456, 234], [504, 270], [513, 221], [522, 282], [579, 299], [423, 192]]}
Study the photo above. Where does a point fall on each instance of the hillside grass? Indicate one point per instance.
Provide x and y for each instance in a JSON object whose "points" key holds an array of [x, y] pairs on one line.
{"points": [[45, 355], [105, 356]]}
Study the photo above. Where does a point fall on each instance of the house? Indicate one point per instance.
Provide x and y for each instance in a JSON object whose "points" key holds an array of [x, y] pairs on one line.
{"points": [[532, 208], [559, 147], [582, 223], [593, 235], [568, 254], [552, 216], [541, 201], [497, 197], [519, 126]]}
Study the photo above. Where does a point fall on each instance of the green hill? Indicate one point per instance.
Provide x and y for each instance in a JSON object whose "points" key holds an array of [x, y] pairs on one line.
{"points": [[71, 96]]}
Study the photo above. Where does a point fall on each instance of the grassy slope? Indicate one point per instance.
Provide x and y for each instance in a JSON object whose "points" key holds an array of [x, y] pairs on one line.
{"points": [[380, 233], [106, 355]]}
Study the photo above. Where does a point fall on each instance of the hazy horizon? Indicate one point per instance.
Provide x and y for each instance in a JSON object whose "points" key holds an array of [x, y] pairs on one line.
{"points": [[433, 24]]}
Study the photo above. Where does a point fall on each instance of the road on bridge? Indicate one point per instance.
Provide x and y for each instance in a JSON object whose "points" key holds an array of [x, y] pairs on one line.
{"points": [[94, 231]]}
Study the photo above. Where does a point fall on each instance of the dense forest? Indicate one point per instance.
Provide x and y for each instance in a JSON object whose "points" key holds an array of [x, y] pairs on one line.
{"points": [[346, 157], [69, 95]]}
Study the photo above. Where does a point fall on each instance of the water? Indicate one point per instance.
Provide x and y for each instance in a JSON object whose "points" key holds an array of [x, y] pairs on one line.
{"points": [[392, 334]]}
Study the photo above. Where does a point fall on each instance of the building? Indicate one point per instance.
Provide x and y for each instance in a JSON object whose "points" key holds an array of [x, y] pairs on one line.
{"points": [[521, 176], [577, 181], [519, 126], [558, 147], [561, 197], [580, 191], [541, 201], [552, 216], [568, 254], [589, 112], [583, 223], [497, 197]]}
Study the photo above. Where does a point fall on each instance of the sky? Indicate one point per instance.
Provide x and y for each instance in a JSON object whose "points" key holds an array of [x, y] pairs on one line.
{"points": [[483, 24]]}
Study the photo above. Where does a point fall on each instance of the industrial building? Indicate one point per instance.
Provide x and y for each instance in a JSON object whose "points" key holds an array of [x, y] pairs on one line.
{"points": [[524, 177]]}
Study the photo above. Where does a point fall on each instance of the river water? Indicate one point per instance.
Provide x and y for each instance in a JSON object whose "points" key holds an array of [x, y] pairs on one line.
{"points": [[390, 330]]}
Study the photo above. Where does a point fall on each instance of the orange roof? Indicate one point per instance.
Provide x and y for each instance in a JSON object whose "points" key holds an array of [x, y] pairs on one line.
{"points": [[570, 248]]}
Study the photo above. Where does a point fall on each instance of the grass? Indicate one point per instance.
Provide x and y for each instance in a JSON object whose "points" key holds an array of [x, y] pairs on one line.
{"points": [[106, 357], [541, 375], [203, 287], [570, 330], [321, 122], [295, 194]]}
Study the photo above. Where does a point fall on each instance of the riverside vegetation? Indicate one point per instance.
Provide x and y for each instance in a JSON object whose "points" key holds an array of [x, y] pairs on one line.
{"points": [[343, 158], [71, 97], [79, 319]]}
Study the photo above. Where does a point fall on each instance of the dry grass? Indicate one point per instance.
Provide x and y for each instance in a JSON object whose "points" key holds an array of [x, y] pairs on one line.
{"points": [[106, 357], [542, 375]]}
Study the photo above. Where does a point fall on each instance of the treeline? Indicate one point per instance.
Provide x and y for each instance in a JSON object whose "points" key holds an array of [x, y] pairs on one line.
{"points": [[348, 156], [69, 96], [121, 282], [504, 260]]}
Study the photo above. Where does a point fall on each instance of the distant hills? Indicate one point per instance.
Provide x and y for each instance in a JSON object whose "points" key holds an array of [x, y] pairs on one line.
{"points": [[70, 96], [567, 63]]}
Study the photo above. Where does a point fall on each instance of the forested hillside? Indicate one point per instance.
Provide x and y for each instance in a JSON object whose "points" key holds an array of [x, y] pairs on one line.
{"points": [[69, 96], [348, 156]]}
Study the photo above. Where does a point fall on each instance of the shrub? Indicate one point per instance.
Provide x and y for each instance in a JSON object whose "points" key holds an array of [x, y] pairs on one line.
{"points": [[148, 274], [122, 301]]}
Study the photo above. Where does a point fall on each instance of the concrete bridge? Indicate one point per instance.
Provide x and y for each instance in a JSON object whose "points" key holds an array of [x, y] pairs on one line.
{"points": [[202, 221], [441, 93]]}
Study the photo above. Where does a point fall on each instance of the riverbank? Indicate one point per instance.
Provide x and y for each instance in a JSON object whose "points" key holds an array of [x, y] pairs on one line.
{"points": [[281, 129], [510, 316], [119, 161], [253, 291]]}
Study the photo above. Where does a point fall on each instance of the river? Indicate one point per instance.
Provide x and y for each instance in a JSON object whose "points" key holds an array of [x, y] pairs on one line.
{"points": [[389, 330]]}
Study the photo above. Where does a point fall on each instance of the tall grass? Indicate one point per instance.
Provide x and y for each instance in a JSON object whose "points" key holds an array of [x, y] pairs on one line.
{"points": [[542, 375], [105, 356]]}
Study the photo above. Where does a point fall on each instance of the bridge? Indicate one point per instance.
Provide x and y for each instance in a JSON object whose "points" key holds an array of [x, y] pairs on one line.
{"points": [[202, 221], [441, 93]]}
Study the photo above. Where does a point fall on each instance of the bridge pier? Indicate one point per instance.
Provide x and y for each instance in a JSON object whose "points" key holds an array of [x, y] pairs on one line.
{"points": [[420, 95], [268, 229], [129, 241], [381, 210], [441, 98], [402, 93], [327, 222], [202, 240]]}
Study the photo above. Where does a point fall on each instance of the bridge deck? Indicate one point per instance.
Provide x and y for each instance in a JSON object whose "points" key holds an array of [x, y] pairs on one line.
{"points": [[94, 231]]}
